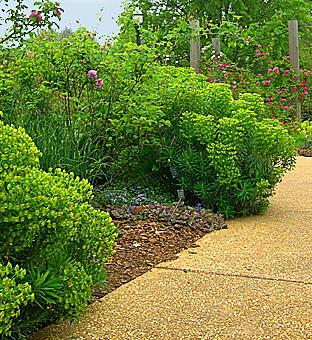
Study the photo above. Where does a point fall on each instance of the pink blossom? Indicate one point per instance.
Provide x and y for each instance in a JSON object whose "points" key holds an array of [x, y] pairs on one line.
{"points": [[306, 93], [260, 75], [35, 15], [270, 70], [275, 69], [274, 118], [282, 99], [258, 54], [257, 82], [266, 54], [267, 82], [270, 61], [234, 87], [259, 46], [270, 99], [226, 74], [305, 88], [92, 74], [58, 12], [99, 83], [287, 71]]}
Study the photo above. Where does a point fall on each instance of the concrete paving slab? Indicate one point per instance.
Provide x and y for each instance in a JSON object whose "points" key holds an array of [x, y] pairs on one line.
{"points": [[173, 305]]}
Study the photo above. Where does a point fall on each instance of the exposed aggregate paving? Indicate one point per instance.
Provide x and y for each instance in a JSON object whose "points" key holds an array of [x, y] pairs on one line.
{"points": [[251, 281]]}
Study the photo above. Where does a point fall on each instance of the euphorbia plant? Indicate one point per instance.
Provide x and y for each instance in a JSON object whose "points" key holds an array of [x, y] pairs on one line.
{"points": [[23, 19]]}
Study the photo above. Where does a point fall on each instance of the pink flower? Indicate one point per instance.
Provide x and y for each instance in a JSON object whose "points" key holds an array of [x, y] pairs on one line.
{"points": [[274, 118], [305, 88], [270, 61], [92, 74], [257, 82], [58, 12], [306, 93], [267, 82], [226, 74], [275, 69], [234, 87], [259, 46], [270, 99], [99, 83], [287, 71], [260, 75], [35, 16], [270, 70]]}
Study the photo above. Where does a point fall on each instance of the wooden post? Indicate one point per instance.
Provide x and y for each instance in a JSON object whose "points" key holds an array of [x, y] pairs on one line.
{"points": [[294, 56], [195, 46], [216, 45]]}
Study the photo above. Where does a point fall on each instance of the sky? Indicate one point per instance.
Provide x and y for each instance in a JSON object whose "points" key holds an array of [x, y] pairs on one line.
{"points": [[86, 12]]}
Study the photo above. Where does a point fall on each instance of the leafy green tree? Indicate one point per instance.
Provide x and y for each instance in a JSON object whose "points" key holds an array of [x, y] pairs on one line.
{"points": [[22, 19], [242, 24]]}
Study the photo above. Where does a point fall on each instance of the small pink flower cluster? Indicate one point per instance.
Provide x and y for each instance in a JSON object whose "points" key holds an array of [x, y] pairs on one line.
{"points": [[92, 74], [36, 16], [224, 66], [275, 69], [305, 89]]}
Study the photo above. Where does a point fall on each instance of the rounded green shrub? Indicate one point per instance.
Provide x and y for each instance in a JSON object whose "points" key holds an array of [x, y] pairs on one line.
{"points": [[232, 164], [48, 227], [17, 149]]}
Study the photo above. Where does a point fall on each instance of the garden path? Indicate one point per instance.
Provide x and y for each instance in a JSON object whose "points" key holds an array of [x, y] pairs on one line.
{"points": [[251, 281]]}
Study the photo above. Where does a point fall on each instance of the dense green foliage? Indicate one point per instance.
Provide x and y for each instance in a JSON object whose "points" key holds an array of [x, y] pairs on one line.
{"points": [[48, 228], [129, 127], [227, 153], [13, 295], [240, 24]]}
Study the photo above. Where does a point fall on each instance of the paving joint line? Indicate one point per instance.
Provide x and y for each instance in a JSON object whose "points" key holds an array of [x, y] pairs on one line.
{"points": [[246, 276]]}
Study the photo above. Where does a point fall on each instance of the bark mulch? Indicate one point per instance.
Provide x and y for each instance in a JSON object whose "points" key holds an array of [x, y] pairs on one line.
{"points": [[151, 235], [305, 152]]}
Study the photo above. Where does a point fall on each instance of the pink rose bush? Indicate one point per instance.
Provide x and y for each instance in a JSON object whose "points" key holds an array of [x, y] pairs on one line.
{"points": [[273, 79], [92, 74]]}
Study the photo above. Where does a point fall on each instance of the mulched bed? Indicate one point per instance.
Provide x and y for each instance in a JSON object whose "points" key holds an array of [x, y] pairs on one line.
{"points": [[151, 235], [305, 152]]}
